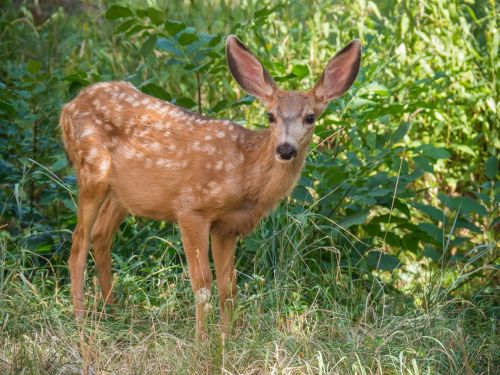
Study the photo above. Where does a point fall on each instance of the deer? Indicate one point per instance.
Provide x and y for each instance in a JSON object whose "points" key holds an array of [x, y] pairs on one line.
{"points": [[136, 154]]}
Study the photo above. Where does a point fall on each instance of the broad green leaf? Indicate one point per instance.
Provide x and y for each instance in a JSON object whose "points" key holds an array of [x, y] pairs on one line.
{"points": [[355, 219], [302, 194], [378, 260], [491, 167], [148, 45], [125, 26], [173, 27], [168, 46], [187, 38], [155, 15], [185, 102], [264, 12], [6, 107], [462, 223], [433, 152], [300, 71], [156, 91], [61, 163], [117, 11], [33, 66], [464, 148], [433, 231], [431, 252], [400, 132], [464, 204], [430, 211]]}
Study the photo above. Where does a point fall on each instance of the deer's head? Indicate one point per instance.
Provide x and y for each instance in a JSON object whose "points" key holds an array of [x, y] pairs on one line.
{"points": [[292, 114]]}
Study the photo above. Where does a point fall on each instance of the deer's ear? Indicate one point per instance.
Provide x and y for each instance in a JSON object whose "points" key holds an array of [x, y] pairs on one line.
{"points": [[340, 73], [247, 70]]}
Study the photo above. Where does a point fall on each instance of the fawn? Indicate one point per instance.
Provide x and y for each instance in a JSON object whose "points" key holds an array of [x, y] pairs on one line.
{"points": [[135, 153]]}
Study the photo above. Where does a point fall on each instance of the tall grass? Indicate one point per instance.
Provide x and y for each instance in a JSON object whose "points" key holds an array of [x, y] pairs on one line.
{"points": [[347, 328]]}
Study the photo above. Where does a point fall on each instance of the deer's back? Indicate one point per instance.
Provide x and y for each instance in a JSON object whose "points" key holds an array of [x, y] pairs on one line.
{"points": [[158, 159]]}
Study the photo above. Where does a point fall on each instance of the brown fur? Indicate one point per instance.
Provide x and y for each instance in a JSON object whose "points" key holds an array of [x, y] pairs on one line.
{"points": [[135, 153]]}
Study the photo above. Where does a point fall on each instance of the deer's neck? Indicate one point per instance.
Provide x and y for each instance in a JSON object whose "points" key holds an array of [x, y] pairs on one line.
{"points": [[269, 181]]}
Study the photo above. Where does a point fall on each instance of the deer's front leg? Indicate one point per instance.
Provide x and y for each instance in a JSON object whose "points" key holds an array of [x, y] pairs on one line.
{"points": [[194, 233], [223, 248]]}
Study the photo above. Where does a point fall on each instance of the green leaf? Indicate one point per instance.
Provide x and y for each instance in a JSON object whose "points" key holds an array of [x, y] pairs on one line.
{"points": [[117, 11], [33, 66], [378, 260], [173, 27], [125, 26], [148, 46], [430, 211], [155, 15], [168, 46], [433, 231], [264, 12], [433, 152], [61, 163], [464, 204], [464, 148], [355, 219], [302, 194], [7, 107], [491, 167], [300, 71], [431, 252], [156, 91], [400, 132], [185, 102], [187, 38]]}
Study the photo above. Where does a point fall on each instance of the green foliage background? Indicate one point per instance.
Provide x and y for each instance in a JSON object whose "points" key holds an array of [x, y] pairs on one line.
{"points": [[397, 211]]}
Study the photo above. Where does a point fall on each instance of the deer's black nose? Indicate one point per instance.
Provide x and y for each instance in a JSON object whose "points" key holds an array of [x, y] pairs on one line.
{"points": [[286, 151]]}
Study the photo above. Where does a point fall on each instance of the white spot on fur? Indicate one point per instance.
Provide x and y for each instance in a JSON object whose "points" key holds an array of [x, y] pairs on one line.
{"points": [[208, 138], [104, 166], [128, 152], [219, 165], [214, 188], [210, 150], [92, 153], [202, 295], [87, 132], [108, 127], [158, 125], [220, 134], [155, 146]]}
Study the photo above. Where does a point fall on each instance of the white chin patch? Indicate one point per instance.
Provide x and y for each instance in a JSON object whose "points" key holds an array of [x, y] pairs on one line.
{"points": [[284, 161]]}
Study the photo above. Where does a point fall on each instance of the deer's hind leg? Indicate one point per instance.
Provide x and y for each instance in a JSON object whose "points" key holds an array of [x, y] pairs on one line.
{"points": [[108, 221], [93, 170]]}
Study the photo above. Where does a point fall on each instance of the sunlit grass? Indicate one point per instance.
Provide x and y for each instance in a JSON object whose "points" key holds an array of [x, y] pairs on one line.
{"points": [[277, 329]]}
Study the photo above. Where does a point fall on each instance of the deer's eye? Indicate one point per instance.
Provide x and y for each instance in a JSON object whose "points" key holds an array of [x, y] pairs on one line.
{"points": [[309, 119], [271, 117]]}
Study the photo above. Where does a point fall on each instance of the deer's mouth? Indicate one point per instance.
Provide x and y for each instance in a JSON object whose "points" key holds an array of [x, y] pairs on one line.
{"points": [[285, 152]]}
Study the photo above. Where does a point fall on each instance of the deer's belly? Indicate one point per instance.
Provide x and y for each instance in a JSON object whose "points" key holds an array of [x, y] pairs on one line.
{"points": [[238, 222], [147, 193]]}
